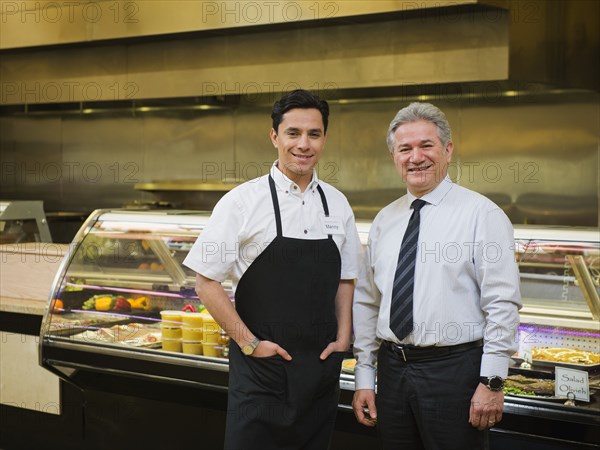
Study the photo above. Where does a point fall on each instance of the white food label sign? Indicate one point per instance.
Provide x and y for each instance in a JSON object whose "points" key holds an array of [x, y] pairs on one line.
{"points": [[572, 383]]}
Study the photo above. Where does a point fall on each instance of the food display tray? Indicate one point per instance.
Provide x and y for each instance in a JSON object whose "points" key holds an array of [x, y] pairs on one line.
{"points": [[545, 398], [348, 366], [551, 365], [132, 335], [74, 322]]}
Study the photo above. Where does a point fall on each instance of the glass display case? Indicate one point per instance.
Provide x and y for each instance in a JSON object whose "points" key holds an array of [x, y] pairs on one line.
{"points": [[123, 303], [560, 275], [560, 278], [123, 295], [560, 320]]}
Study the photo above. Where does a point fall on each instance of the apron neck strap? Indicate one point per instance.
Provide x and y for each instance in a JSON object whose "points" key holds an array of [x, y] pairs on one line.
{"points": [[323, 200], [325, 207], [276, 205]]}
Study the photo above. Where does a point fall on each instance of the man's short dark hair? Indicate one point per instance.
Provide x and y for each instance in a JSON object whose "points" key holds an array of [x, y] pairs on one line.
{"points": [[299, 98]]}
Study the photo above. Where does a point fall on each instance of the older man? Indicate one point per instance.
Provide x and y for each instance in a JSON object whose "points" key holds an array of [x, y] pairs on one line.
{"points": [[436, 306]]}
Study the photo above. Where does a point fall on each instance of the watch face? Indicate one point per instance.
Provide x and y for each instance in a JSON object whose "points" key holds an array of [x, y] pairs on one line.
{"points": [[247, 349], [496, 383]]}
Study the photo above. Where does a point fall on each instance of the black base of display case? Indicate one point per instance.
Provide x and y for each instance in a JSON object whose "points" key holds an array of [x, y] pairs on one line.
{"points": [[115, 412], [105, 408]]}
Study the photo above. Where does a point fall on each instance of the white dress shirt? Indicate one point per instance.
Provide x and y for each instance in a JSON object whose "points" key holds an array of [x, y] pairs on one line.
{"points": [[242, 225], [466, 279]]}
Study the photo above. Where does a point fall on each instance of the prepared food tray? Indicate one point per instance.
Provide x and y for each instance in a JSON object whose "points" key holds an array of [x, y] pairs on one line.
{"points": [[566, 355], [348, 365], [551, 398], [130, 334], [535, 387], [73, 323], [549, 358], [528, 386]]}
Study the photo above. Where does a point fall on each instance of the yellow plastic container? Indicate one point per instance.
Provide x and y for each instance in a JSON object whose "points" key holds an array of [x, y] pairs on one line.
{"points": [[210, 327], [171, 318], [192, 334], [207, 318], [170, 332], [192, 347], [172, 345], [212, 336], [192, 320], [210, 349]]}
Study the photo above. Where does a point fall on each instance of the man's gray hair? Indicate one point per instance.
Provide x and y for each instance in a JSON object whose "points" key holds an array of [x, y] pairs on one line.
{"points": [[420, 111]]}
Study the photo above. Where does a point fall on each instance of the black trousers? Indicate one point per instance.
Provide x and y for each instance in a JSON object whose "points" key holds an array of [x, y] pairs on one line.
{"points": [[425, 404]]}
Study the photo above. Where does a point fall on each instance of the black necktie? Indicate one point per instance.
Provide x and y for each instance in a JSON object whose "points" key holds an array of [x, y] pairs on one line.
{"points": [[401, 309]]}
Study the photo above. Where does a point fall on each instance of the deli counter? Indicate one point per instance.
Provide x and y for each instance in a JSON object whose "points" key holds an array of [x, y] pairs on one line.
{"points": [[124, 320]]}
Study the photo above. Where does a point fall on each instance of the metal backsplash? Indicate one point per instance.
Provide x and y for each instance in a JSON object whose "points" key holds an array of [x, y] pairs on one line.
{"points": [[537, 156]]}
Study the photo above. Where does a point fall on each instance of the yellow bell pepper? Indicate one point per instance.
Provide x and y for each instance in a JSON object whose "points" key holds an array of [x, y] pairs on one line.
{"points": [[104, 303], [139, 303]]}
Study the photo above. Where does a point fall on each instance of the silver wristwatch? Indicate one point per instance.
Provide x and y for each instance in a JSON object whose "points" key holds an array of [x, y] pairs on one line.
{"points": [[249, 348]]}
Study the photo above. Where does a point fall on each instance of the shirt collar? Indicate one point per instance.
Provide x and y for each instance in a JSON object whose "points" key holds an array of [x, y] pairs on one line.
{"points": [[285, 184], [437, 195]]}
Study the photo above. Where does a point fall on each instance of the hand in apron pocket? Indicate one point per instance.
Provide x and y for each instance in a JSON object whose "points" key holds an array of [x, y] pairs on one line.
{"points": [[266, 375]]}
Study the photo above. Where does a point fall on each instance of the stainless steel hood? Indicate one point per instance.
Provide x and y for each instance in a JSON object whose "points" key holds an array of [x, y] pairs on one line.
{"points": [[385, 45], [43, 23]]}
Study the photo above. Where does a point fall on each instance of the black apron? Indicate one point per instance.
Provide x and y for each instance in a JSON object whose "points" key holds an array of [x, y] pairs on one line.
{"points": [[287, 296]]}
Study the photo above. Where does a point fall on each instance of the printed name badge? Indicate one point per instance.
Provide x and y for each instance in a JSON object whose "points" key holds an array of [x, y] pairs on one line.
{"points": [[332, 225], [571, 383]]}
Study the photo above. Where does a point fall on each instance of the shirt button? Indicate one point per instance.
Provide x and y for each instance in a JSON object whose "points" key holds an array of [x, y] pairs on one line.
{"points": [[294, 187], [305, 231], [303, 202], [287, 192]]}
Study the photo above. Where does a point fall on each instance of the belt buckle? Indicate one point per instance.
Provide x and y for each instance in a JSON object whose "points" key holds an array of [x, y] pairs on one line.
{"points": [[401, 348]]}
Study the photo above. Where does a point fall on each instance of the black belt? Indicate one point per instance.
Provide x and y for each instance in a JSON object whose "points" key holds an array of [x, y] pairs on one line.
{"points": [[413, 353]]}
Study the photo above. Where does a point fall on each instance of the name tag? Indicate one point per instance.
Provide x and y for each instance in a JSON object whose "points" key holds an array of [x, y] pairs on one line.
{"points": [[332, 225]]}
